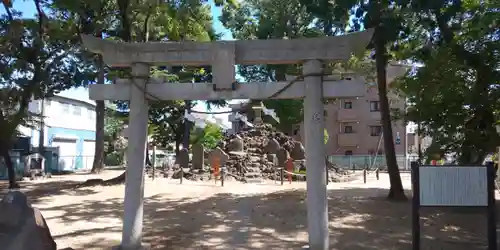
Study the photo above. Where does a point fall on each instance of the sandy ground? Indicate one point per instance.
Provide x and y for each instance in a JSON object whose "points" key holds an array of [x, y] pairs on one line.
{"points": [[202, 215]]}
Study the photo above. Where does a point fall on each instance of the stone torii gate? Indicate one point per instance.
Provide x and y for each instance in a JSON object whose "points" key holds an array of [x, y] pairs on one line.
{"points": [[223, 56]]}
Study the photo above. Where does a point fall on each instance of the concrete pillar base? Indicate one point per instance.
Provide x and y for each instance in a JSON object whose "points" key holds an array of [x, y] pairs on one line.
{"points": [[143, 247]]}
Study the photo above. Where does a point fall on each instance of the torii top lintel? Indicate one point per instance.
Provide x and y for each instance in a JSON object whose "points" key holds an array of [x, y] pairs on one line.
{"points": [[272, 51]]}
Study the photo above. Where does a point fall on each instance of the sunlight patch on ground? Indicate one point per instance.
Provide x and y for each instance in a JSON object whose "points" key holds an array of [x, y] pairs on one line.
{"points": [[202, 215]]}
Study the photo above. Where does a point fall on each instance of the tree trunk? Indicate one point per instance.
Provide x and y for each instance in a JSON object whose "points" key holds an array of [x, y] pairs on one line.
{"points": [[396, 191], [41, 131], [100, 111], [177, 147], [98, 163], [187, 128], [116, 180], [148, 160], [125, 34], [10, 168]]}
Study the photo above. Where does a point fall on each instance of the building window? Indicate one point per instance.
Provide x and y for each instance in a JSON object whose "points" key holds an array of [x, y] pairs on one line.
{"points": [[348, 129], [348, 152], [374, 106], [325, 113], [375, 130], [347, 105], [91, 114], [77, 110], [64, 107]]}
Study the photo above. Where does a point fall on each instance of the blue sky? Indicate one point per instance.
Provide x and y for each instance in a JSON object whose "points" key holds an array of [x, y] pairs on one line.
{"points": [[28, 10]]}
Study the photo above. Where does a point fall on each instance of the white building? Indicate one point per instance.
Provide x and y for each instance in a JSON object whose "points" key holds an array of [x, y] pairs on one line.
{"points": [[69, 130]]}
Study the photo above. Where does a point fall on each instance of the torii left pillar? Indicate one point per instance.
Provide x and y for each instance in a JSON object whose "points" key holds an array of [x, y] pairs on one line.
{"points": [[134, 181]]}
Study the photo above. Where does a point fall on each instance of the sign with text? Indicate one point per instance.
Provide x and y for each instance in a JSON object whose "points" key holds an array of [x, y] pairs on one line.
{"points": [[452, 186]]}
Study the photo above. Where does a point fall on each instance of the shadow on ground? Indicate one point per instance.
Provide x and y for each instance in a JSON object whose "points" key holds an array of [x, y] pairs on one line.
{"points": [[360, 218], [37, 191]]}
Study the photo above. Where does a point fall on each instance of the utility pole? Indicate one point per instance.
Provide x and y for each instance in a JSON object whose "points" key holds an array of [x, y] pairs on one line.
{"points": [[187, 127], [419, 129], [41, 132]]}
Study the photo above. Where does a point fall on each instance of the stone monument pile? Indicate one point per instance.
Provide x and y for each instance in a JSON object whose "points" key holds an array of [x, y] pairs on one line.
{"points": [[252, 154]]}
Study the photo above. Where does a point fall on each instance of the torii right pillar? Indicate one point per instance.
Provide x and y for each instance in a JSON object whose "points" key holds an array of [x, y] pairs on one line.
{"points": [[317, 202]]}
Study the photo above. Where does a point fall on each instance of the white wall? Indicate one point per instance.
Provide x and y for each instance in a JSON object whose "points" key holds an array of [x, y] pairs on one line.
{"points": [[36, 135], [67, 113]]}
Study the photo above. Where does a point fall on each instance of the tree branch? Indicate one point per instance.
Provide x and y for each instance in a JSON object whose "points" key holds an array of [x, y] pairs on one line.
{"points": [[27, 92], [7, 10], [145, 29]]}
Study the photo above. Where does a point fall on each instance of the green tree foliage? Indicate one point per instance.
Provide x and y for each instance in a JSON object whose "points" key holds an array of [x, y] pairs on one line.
{"points": [[256, 19], [454, 95], [186, 20], [168, 120], [140, 21], [209, 136], [36, 62], [94, 18], [387, 20]]}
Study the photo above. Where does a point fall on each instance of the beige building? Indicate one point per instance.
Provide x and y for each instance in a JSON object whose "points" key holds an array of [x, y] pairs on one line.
{"points": [[354, 126]]}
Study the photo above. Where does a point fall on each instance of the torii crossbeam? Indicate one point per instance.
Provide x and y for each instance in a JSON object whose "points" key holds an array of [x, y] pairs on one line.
{"points": [[223, 56]]}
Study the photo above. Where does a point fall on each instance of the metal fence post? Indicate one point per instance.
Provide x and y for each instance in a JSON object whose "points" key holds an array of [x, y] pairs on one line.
{"points": [[182, 173], [222, 175], [153, 163], [327, 179], [289, 165], [364, 176], [350, 163], [282, 175]]}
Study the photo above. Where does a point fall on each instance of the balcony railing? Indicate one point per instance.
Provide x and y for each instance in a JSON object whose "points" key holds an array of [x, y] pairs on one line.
{"points": [[347, 115], [348, 139], [375, 116]]}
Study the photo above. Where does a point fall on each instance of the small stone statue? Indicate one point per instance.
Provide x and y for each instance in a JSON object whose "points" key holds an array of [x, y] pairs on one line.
{"points": [[282, 156], [272, 146], [236, 144], [298, 151]]}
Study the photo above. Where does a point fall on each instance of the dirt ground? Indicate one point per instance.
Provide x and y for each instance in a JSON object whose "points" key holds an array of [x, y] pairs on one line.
{"points": [[202, 215]]}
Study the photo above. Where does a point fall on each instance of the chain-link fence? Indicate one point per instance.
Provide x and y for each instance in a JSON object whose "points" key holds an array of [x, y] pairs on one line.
{"points": [[53, 164], [359, 162]]}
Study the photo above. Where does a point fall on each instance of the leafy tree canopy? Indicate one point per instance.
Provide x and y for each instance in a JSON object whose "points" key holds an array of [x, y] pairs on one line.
{"points": [[209, 136]]}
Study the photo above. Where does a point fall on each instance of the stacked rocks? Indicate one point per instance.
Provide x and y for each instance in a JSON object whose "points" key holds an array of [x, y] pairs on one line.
{"points": [[252, 154], [256, 152]]}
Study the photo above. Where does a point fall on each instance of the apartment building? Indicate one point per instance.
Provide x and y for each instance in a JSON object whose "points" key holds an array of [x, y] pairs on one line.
{"points": [[354, 124]]}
